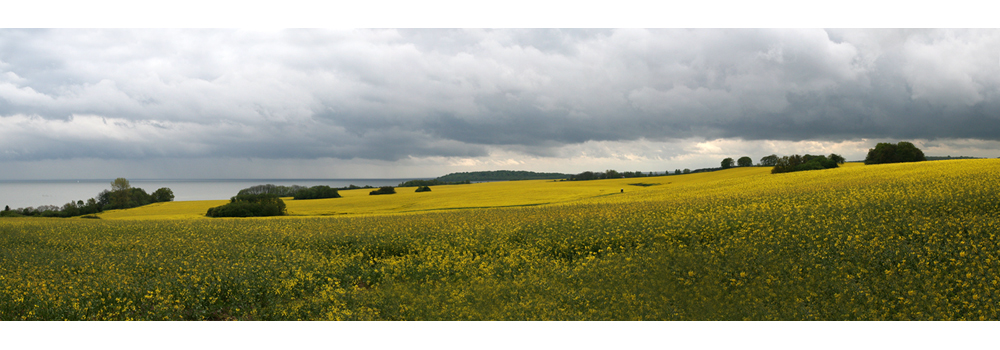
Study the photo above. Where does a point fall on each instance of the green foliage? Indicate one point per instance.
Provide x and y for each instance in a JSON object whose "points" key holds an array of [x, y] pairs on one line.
{"points": [[423, 189], [317, 192], [120, 194], [419, 183], [10, 213], [495, 175], [744, 161], [383, 190], [902, 152], [280, 191], [607, 174], [687, 171], [802, 163], [248, 205], [837, 158], [163, 194], [727, 163], [770, 160]]}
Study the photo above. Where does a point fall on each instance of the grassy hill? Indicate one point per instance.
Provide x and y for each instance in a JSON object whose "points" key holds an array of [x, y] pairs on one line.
{"points": [[880, 242]]}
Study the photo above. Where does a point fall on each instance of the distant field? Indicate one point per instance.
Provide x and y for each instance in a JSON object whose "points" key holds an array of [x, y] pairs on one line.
{"points": [[883, 242], [454, 197]]}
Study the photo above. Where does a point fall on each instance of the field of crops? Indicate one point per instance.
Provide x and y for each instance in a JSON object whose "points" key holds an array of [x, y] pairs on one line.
{"points": [[880, 242]]}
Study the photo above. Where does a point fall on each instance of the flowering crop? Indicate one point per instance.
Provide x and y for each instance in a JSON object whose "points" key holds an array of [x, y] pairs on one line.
{"points": [[913, 241]]}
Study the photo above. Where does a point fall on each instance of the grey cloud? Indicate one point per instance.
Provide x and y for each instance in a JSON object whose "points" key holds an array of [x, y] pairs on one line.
{"points": [[393, 94]]}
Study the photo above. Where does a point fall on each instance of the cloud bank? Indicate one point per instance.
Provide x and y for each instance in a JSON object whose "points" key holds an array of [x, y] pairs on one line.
{"points": [[395, 95]]}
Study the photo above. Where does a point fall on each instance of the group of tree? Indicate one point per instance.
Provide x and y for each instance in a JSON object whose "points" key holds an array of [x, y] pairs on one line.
{"points": [[294, 190], [423, 189], [248, 205], [431, 182], [70, 209], [807, 162], [742, 162], [607, 174], [383, 190], [280, 191], [497, 175], [121, 196], [901, 152], [316, 192]]}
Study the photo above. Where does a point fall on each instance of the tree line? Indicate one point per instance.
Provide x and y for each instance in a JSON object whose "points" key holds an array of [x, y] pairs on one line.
{"points": [[121, 196], [495, 175], [299, 192], [431, 182]]}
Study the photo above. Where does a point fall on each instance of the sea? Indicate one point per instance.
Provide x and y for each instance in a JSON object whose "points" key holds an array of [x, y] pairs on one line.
{"points": [[33, 193]]}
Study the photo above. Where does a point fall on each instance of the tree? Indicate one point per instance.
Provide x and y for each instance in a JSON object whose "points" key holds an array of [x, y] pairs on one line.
{"points": [[383, 190], [163, 195], [6, 208], [770, 160], [677, 171], [800, 163], [837, 158], [245, 205], [885, 153], [687, 171], [727, 163], [120, 184], [120, 193], [317, 192], [744, 161]]}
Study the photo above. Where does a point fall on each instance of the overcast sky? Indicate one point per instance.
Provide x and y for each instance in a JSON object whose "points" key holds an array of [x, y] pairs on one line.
{"points": [[156, 103]]}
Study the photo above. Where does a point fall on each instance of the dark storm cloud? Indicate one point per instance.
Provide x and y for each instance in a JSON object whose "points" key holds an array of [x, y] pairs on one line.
{"points": [[394, 94]]}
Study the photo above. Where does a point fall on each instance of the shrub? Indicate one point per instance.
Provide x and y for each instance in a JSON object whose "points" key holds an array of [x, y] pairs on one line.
{"points": [[317, 192], [422, 183], [423, 189], [902, 152], [248, 205], [163, 195], [802, 163], [383, 190], [728, 163], [280, 191]]}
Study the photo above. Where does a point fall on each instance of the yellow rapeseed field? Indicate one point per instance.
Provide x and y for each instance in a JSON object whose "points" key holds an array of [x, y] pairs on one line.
{"points": [[915, 241]]}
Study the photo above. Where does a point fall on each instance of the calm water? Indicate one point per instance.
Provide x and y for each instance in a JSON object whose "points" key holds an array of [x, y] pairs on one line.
{"points": [[20, 194]]}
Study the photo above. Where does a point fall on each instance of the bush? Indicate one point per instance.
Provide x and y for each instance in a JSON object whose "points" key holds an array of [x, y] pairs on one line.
{"points": [[423, 189], [885, 153], [124, 199], [163, 195], [10, 213], [802, 163], [317, 192], [280, 191], [383, 190], [422, 183], [248, 205]]}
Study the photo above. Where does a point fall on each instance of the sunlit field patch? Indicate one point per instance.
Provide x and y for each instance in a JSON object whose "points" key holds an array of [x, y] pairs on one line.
{"points": [[914, 241]]}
